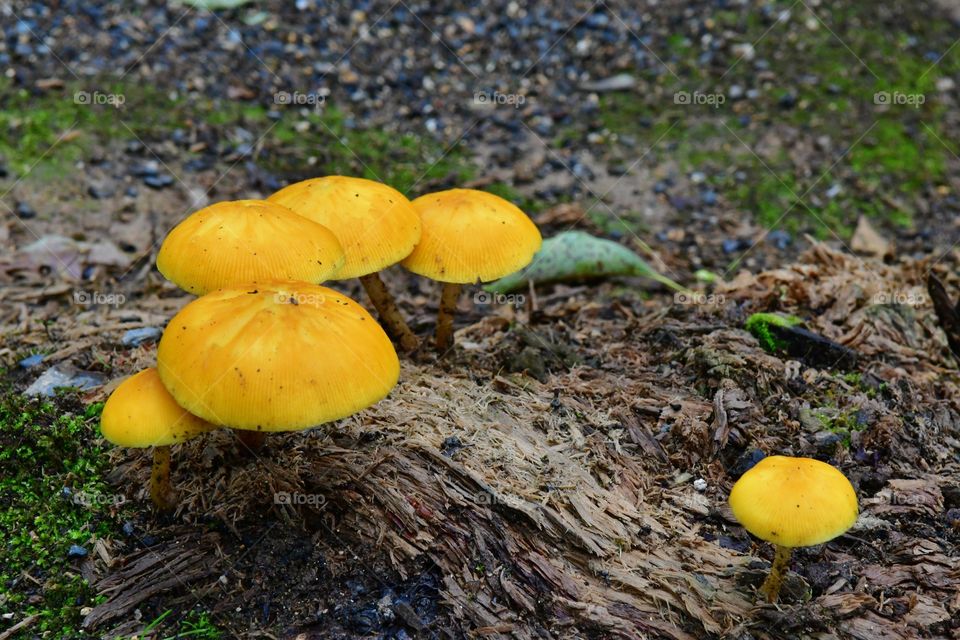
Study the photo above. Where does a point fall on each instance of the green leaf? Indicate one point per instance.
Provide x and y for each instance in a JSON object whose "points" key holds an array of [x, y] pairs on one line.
{"points": [[575, 255]]}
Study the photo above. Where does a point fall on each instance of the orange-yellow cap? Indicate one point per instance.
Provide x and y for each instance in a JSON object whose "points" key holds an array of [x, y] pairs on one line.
{"points": [[794, 502], [376, 224], [142, 413], [243, 241], [276, 356], [471, 236]]}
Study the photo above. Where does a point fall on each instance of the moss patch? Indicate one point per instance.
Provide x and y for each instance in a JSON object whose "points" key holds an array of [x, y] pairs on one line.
{"points": [[46, 133], [52, 486], [762, 327]]}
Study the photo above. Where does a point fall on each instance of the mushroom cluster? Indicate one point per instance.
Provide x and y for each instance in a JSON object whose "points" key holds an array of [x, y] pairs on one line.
{"points": [[264, 347]]}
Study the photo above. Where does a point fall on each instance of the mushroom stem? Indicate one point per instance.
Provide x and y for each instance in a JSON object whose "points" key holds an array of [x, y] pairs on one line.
{"points": [[389, 314], [160, 491], [250, 441], [448, 306], [771, 586]]}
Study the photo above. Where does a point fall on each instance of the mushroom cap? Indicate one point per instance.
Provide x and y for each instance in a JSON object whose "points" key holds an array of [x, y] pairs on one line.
{"points": [[141, 413], [794, 502], [276, 356], [376, 224], [243, 241], [471, 235]]}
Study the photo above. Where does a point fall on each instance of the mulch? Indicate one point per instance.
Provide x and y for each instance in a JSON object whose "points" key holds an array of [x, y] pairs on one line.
{"points": [[563, 504]]}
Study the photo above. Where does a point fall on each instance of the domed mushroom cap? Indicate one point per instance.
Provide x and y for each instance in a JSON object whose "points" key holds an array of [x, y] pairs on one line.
{"points": [[243, 241], [141, 413], [471, 235], [276, 356], [376, 224], [794, 502]]}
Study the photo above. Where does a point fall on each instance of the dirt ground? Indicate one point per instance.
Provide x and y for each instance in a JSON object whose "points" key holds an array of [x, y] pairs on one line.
{"points": [[539, 482]]}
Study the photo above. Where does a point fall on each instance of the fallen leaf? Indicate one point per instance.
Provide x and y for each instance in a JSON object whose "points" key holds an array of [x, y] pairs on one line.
{"points": [[575, 255], [868, 240]]}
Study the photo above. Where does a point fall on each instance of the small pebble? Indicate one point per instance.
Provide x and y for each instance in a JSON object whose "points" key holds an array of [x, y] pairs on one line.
{"points": [[747, 461], [76, 552], [31, 361], [144, 169], [700, 485], [731, 245], [99, 192], [25, 211], [780, 239], [137, 337], [161, 181]]}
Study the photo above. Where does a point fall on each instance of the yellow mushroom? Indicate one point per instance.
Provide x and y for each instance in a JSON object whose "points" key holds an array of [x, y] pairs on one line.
{"points": [[276, 356], [468, 236], [792, 502], [141, 413], [377, 227], [244, 241]]}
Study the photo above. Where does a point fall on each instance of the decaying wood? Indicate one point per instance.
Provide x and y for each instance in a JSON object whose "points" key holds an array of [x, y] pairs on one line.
{"points": [[152, 572], [567, 508]]}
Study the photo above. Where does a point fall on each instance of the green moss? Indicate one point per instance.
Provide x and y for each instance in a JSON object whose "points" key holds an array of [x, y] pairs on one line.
{"points": [[196, 624], [760, 324], [52, 486], [301, 143], [854, 378], [842, 423]]}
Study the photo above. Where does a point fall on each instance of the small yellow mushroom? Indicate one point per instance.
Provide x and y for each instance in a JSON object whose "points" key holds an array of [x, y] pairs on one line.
{"points": [[792, 502], [141, 413], [468, 236]]}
